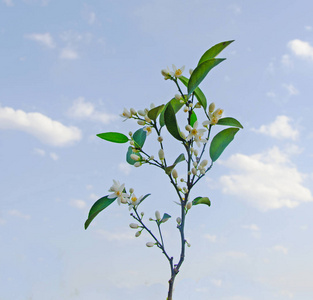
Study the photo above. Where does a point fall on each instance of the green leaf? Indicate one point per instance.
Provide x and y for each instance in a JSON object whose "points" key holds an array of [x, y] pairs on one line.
{"points": [[199, 94], [139, 138], [144, 197], [229, 122], [200, 72], [171, 122], [165, 218], [154, 112], [214, 51], [98, 206], [201, 200], [193, 118], [179, 159], [169, 169], [114, 137], [221, 141], [130, 151], [176, 106]]}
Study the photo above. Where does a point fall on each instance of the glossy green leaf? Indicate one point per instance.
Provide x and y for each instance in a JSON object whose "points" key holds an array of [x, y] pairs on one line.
{"points": [[228, 121], [154, 112], [144, 197], [139, 138], [171, 122], [214, 51], [201, 200], [130, 151], [200, 72], [169, 169], [179, 159], [193, 118], [176, 106], [165, 218], [198, 93], [114, 137], [98, 206], [221, 141]]}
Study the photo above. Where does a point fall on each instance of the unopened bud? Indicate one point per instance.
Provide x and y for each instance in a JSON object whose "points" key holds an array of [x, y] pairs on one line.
{"points": [[161, 154], [202, 171], [132, 143], [195, 164], [211, 107], [160, 139], [190, 71], [141, 113], [204, 163], [175, 174], [198, 105], [182, 179], [138, 233], [178, 220], [188, 127], [151, 157], [196, 152], [158, 215], [194, 171], [186, 109], [133, 111], [142, 213], [150, 244], [130, 133], [147, 119], [131, 190], [141, 122], [133, 225], [137, 164], [177, 97], [189, 205], [123, 200], [134, 157]]}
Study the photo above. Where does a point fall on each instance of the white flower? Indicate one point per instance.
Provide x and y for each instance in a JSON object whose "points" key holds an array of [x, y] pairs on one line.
{"points": [[214, 116], [196, 134], [134, 201], [178, 72], [118, 192], [167, 73], [148, 129], [126, 114], [157, 215]]}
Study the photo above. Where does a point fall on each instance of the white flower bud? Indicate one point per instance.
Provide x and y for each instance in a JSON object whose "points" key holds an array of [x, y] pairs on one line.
{"points": [[141, 122], [134, 157], [161, 154], [160, 139], [179, 188], [132, 143], [178, 220], [123, 200], [142, 213], [202, 172], [164, 72], [130, 134], [133, 111], [137, 164], [198, 105], [190, 105], [146, 110], [157, 215], [150, 244], [175, 174], [196, 152], [138, 233], [183, 135], [195, 164], [181, 101], [141, 113], [204, 163], [192, 149], [190, 71], [148, 120], [185, 190], [151, 157], [177, 97], [152, 105], [189, 205], [194, 171], [211, 107], [186, 109], [131, 190], [188, 128], [133, 225]]}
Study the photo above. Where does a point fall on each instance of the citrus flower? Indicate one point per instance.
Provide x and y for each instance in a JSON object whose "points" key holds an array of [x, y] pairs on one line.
{"points": [[167, 73], [196, 134], [118, 192], [134, 201], [148, 129], [126, 114], [214, 116], [178, 72]]}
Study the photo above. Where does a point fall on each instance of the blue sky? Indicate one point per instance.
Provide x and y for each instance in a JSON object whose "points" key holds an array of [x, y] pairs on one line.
{"points": [[68, 68]]}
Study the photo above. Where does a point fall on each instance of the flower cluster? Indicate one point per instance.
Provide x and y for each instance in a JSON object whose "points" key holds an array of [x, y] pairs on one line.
{"points": [[176, 73], [214, 115]]}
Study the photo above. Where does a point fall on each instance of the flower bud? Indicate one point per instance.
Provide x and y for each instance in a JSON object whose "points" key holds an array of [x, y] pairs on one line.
{"points": [[196, 152], [192, 149], [164, 72], [158, 215], [161, 154], [186, 109], [177, 97], [150, 244], [148, 120], [133, 225], [178, 220], [150, 219], [190, 71], [132, 143], [194, 171], [141, 113], [130, 134], [182, 135], [204, 163], [202, 171], [182, 179], [141, 122], [179, 188], [142, 213], [151, 157], [189, 205], [138, 233], [133, 111], [188, 127], [160, 139], [131, 190], [211, 107], [198, 105], [123, 200], [195, 164], [137, 164], [185, 190], [174, 173], [134, 157]]}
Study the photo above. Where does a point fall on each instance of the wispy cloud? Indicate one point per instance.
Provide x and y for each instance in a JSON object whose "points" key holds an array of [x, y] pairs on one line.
{"points": [[42, 38], [8, 2], [286, 61], [280, 129], [302, 49], [68, 53], [211, 238], [84, 110], [77, 203], [266, 181], [281, 249], [124, 168], [48, 131], [18, 214], [292, 91]]}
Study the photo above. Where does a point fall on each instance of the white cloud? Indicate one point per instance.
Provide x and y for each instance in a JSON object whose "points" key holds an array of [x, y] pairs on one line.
{"points": [[18, 214], [40, 152], [251, 227], [8, 2], [271, 94], [54, 156], [291, 89], [86, 110], [42, 38], [211, 238], [301, 49], [308, 28], [115, 236], [80, 204], [281, 249], [236, 9], [2, 221], [40, 126], [68, 53], [91, 17], [125, 168], [217, 282], [266, 181], [286, 61], [280, 129]]}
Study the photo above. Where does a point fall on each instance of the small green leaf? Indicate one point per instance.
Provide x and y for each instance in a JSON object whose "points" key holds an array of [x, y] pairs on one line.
{"points": [[144, 197], [165, 218], [229, 122], [171, 122], [154, 112], [200, 72], [98, 206], [214, 51], [139, 138], [176, 106], [169, 169], [179, 159], [193, 118], [201, 200], [221, 141], [130, 151], [199, 94], [114, 137]]}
